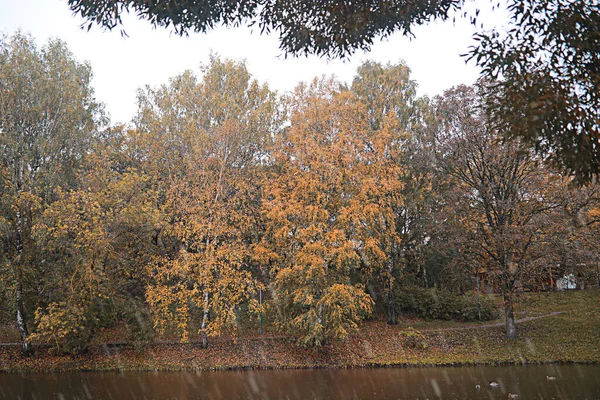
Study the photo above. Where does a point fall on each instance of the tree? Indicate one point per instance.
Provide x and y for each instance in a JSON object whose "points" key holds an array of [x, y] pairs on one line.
{"points": [[212, 137], [547, 62], [545, 74], [97, 239], [330, 212], [212, 214], [504, 189], [324, 28], [388, 94], [396, 117], [48, 117]]}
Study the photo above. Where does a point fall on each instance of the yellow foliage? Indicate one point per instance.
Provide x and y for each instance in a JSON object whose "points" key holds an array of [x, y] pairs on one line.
{"points": [[63, 325], [330, 210]]}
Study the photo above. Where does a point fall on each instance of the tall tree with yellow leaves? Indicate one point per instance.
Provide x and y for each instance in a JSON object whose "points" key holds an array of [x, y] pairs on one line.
{"points": [[223, 125], [330, 224]]}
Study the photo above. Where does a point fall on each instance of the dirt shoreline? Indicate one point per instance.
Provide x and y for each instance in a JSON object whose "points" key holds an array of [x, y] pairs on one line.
{"points": [[556, 328], [375, 346]]}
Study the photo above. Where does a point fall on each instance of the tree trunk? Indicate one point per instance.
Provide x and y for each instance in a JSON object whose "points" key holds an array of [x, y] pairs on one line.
{"points": [[204, 340], [598, 273], [20, 314], [391, 306], [21, 323], [205, 321], [511, 328], [478, 296], [508, 286], [391, 312], [260, 318]]}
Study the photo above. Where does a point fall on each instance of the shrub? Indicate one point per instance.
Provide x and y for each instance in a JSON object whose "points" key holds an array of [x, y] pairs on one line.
{"points": [[138, 326], [67, 327], [413, 338], [469, 312], [441, 304]]}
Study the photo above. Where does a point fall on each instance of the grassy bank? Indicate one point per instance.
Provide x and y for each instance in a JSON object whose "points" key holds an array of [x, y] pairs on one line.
{"points": [[572, 336]]}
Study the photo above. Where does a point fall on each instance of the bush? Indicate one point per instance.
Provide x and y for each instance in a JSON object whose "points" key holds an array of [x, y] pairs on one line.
{"points": [[413, 339], [469, 312], [138, 326], [441, 304], [66, 327]]}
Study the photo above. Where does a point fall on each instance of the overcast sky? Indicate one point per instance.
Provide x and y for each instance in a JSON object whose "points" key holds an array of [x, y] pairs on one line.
{"points": [[150, 56]]}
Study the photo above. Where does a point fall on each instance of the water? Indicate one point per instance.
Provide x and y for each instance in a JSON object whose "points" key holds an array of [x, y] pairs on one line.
{"points": [[572, 382]]}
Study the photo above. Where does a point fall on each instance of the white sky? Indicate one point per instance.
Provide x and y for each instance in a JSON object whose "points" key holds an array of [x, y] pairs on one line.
{"points": [[151, 56]]}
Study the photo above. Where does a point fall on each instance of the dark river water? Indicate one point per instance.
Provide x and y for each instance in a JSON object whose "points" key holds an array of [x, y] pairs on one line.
{"points": [[572, 382]]}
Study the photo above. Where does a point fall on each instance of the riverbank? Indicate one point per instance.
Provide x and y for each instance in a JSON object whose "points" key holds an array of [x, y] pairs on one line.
{"points": [[556, 328]]}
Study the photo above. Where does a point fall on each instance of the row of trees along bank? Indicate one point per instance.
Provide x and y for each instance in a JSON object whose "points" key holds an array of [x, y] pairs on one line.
{"points": [[328, 200]]}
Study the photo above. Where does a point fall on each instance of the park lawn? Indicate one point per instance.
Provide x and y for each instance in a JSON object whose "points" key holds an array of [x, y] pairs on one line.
{"points": [[573, 336]]}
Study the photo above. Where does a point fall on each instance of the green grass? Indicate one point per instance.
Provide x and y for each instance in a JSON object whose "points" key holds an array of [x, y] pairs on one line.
{"points": [[573, 336]]}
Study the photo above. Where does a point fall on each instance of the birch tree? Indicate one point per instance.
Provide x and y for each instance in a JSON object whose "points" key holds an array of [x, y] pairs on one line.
{"points": [[220, 127], [48, 117]]}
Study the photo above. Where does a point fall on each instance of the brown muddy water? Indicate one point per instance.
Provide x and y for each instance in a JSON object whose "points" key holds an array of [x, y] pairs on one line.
{"points": [[575, 382]]}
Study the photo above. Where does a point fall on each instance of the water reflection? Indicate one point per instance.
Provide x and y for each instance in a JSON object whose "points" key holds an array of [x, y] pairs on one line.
{"points": [[572, 382]]}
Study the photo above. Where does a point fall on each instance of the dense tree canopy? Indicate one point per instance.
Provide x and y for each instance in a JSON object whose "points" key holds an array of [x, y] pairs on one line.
{"points": [[546, 64], [212, 135], [329, 28], [546, 80]]}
